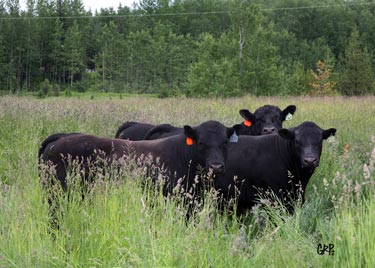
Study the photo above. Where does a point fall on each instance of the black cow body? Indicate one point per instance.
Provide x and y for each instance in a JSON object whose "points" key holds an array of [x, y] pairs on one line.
{"points": [[265, 120], [282, 162], [134, 131], [178, 160], [162, 131]]}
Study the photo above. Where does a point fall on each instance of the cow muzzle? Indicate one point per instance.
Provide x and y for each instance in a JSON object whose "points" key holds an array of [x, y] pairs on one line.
{"points": [[310, 162], [216, 168], [269, 130]]}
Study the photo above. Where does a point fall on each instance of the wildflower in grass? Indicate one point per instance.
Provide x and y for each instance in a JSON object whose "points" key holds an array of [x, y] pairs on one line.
{"points": [[366, 172], [346, 149], [240, 243]]}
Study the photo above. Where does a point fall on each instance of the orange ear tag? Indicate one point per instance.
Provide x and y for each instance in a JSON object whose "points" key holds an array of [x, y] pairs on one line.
{"points": [[247, 123], [189, 141]]}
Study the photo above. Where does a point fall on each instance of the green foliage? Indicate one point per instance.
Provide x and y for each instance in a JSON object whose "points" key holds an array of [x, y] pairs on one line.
{"points": [[296, 80], [257, 55], [68, 92], [4, 66], [159, 43], [166, 92], [357, 77], [214, 73], [45, 89], [73, 52]]}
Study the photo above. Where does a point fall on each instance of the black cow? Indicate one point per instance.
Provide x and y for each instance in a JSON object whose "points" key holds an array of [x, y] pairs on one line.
{"points": [[282, 162], [162, 131], [50, 139], [134, 131], [265, 120], [179, 155]]}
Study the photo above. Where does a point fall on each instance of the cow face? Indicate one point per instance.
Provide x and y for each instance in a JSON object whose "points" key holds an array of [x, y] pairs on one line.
{"points": [[307, 140], [267, 119], [209, 142]]}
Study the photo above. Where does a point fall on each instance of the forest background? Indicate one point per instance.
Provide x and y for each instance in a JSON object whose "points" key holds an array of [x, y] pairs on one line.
{"points": [[195, 48]]}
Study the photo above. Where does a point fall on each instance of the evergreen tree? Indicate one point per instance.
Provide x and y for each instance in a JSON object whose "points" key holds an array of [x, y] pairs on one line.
{"points": [[138, 52], [73, 53], [215, 72], [110, 61], [55, 57], [258, 59], [4, 66], [203, 48], [357, 76], [169, 58]]}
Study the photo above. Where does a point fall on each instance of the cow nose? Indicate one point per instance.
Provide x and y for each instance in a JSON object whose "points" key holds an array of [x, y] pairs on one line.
{"points": [[216, 168], [269, 130], [310, 161]]}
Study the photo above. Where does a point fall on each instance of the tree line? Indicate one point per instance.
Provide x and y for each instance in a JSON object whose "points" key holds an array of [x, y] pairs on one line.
{"points": [[189, 47]]}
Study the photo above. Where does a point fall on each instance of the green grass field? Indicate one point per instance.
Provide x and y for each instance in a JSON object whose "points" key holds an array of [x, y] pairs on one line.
{"points": [[123, 225]]}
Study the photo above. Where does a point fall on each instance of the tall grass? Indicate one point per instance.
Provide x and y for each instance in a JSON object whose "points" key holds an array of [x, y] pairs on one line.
{"points": [[121, 224]]}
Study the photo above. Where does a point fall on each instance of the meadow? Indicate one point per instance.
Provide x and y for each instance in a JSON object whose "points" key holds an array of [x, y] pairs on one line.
{"points": [[125, 225]]}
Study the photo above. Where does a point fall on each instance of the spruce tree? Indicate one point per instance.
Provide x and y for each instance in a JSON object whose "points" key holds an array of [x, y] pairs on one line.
{"points": [[357, 76]]}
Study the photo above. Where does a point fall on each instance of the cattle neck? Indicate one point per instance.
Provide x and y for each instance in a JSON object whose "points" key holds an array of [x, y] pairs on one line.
{"points": [[297, 173], [182, 153], [189, 160]]}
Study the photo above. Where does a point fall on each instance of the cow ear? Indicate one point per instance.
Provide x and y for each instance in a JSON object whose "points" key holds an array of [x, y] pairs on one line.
{"points": [[286, 134], [287, 113], [247, 115], [190, 132], [328, 132]]}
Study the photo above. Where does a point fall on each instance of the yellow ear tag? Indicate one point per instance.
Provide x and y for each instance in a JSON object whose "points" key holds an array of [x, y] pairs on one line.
{"points": [[247, 123], [189, 141]]}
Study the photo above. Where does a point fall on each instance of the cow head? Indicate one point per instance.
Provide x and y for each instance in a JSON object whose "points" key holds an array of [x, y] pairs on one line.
{"points": [[209, 142], [307, 140], [267, 119]]}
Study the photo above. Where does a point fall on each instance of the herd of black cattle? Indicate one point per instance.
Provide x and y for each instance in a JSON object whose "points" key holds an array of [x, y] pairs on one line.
{"points": [[241, 160]]}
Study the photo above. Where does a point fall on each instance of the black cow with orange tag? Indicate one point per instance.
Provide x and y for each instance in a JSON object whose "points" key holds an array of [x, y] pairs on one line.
{"points": [[267, 119], [178, 156]]}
